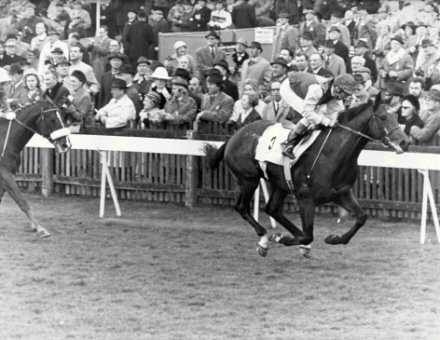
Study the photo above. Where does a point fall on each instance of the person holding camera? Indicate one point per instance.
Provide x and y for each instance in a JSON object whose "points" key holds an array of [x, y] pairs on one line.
{"points": [[397, 66]]}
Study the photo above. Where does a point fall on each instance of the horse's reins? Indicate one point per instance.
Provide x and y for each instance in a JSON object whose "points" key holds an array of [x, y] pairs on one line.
{"points": [[384, 140], [19, 122]]}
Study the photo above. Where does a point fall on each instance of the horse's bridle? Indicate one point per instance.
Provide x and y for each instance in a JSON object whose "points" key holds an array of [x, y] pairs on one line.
{"points": [[385, 139], [52, 137]]}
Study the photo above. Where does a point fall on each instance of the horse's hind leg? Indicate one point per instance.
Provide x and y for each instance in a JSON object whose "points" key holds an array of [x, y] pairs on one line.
{"points": [[274, 208], [7, 182], [247, 189], [349, 202]]}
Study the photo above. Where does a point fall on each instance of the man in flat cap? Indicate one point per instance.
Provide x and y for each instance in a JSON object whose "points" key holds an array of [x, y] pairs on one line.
{"points": [[119, 110], [285, 36], [312, 26], [208, 55], [256, 68], [216, 105]]}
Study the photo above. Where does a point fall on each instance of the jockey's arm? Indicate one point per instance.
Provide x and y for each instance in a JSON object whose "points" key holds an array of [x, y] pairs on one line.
{"points": [[307, 106]]}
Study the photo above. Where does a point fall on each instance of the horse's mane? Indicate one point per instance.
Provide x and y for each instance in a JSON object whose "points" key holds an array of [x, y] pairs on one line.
{"points": [[44, 102], [349, 114]]}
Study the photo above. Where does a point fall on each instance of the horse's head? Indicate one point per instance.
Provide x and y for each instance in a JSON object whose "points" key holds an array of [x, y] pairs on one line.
{"points": [[384, 126], [50, 124]]}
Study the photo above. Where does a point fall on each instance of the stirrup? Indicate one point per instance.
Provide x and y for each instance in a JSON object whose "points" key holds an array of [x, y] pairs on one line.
{"points": [[288, 151]]}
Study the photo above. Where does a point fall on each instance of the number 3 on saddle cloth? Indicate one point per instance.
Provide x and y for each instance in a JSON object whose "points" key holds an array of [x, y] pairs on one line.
{"points": [[270, 147]]}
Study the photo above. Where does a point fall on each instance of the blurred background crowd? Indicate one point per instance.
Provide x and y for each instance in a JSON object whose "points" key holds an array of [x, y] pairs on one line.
{"points": [[101, 62]]}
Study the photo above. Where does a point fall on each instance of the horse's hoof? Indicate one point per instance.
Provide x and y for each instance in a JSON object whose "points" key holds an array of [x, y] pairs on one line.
{"points": [[332, 239], [262, 251], [305, 251], [43, 233], [275, 237]]}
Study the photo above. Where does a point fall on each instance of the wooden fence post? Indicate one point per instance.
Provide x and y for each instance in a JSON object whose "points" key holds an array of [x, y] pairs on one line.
{"points": [[191, 176], [46, 172]]}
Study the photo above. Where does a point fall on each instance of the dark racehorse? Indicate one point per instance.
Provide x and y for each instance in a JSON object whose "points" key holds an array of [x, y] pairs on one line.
{"points": [[43, 118], [329, 180]]}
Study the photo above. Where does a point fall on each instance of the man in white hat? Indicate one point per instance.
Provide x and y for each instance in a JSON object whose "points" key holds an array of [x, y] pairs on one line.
{"points": [[5, 110]]}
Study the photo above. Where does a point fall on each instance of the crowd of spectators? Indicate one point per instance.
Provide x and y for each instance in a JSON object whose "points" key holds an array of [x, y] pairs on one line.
{"points": [[113, 77]]}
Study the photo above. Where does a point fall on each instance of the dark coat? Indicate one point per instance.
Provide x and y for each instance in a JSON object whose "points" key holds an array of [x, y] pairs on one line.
{"points": [[133, 94], [58, 94], [9, 60], [371, 64], [231, 89], [243, 16], [200, 24], [138, 40], [342, 51], [105, 95]]}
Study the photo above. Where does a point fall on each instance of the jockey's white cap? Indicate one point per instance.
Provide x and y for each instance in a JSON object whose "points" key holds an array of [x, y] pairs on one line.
{"points": [[4, 75]]}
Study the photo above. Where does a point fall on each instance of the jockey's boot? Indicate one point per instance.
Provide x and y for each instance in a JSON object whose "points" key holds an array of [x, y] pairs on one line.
{"points": [[293, 139]]}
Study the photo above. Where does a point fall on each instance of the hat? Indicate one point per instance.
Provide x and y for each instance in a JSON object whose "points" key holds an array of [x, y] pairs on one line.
{"points": [[57, 50], [337, 14], [364, 69], [212, 34], [256, 44], [182, 73], [142, 60], [361, 43], [119, 83], [160, 73], [283, 15], [334, 29], [11, 36], [15, 68], [63, 61], [413, 100], [346, 82], [223, 63], [155, 98], [358, 59], [358, 78], [427, 42], [52, 31], [420, 23], [179, 44], [242, 41], [307, 35], [280, 61], [365, 75], [116, 55], [252, 83], [410, 24], [126, 68], [397, 38], [308, 10], [329, 43], [433, 94], [132, 10], [180, 82], [214, 76], [79, 75]]}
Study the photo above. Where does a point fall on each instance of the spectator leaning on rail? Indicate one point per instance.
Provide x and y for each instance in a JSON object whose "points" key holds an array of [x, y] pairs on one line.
{"points": [[180, 107], [120, 110], [249, 114], [216, 105], [151, 111], [432, 122], [317, 99]]}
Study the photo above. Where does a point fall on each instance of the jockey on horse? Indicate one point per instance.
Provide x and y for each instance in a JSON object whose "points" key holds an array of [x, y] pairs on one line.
{"points": [[5, 110], [315, 98]]}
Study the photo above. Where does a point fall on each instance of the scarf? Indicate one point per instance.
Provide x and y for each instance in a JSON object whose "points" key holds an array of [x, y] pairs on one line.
{"points": [[394, 57]]}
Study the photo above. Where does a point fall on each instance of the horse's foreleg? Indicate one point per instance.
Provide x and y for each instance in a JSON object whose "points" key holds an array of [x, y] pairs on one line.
{"points": [[242, 206], [274, 208], [349, 202], [7, 181]]}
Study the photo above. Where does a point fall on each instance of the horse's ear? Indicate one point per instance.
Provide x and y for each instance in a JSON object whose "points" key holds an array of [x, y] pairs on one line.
{"points": [[377, 101]]}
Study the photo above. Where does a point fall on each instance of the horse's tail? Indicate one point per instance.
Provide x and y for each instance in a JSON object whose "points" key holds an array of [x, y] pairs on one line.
{"points": [[214, 155]]}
